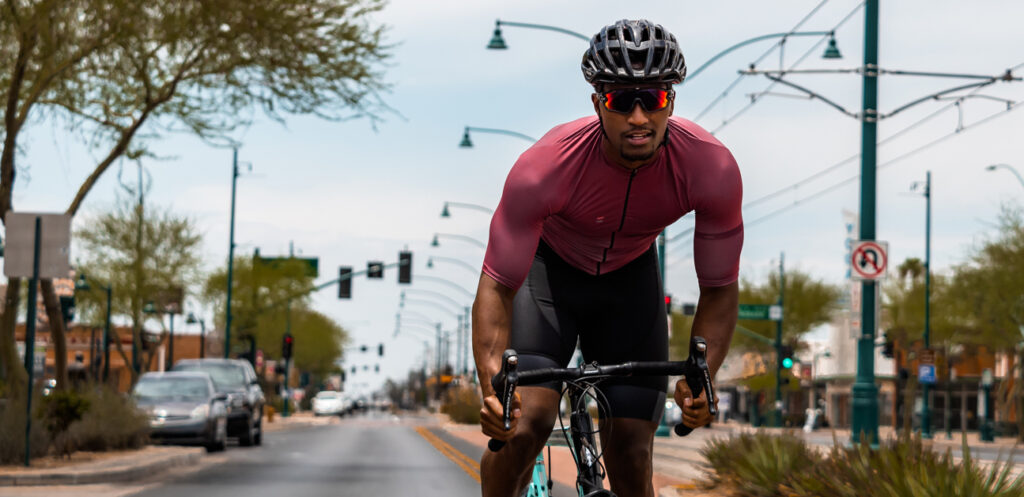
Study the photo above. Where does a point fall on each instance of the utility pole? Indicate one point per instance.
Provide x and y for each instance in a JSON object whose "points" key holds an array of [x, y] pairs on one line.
{"points": [[926, 415], [231, 254], [778, 342], [865, 392]]}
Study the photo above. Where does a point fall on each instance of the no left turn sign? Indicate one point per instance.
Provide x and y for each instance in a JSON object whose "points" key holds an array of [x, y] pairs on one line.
{"points": [[869, 259]]}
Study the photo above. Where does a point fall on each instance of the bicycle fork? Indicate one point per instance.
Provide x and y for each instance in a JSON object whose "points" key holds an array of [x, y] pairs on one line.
{"points": [[589, 476]]}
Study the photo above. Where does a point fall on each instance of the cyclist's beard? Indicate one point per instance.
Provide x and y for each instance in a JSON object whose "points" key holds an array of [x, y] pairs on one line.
{"points": [[640, 156]]}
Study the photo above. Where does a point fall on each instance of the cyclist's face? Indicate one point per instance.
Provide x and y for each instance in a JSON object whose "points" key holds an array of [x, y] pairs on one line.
{"points": [[632, 138]]}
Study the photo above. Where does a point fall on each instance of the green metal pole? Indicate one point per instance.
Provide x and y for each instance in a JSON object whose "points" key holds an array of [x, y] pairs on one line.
{"points": [[30, 338], [106, 339], [778, 344], [170, 347], [437, 371], [865, 392], [926, 415], [231, 256]]}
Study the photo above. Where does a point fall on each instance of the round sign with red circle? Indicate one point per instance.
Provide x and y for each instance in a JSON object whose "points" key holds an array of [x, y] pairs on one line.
{"points": [[869, 259]]}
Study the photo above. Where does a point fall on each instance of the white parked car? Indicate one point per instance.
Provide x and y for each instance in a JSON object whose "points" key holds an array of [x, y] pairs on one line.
{"points": [[328, 403]]}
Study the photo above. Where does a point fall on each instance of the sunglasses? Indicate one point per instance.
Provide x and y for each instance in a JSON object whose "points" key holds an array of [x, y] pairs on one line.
{"points": [[623, 100]]}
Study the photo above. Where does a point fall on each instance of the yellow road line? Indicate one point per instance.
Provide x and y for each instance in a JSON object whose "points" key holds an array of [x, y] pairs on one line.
{"points": [[463, 461]]}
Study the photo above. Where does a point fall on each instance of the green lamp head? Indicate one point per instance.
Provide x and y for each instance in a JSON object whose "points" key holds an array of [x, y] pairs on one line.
{"points": [[497, 41], [466, 143], [444, 212], [832, 51]]}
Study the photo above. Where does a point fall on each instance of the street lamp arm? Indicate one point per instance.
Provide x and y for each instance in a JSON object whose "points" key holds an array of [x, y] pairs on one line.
{"points": [[755, 39], [468, 266], [545, 27], [812, 94], [1008, 168], [502, 132], [472, 206], [449, 283], [464, 238], [434, 294]]}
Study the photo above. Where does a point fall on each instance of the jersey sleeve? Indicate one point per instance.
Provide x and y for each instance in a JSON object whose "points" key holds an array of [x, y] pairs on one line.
{"points": [[718, 234], [517, 223]]}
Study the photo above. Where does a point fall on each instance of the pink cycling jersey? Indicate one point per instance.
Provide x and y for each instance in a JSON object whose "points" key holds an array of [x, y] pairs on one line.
{"points": [[598, 215]]}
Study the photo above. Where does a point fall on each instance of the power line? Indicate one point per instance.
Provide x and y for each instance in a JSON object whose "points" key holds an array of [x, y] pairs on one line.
{"points": [[806, 54], [768, 52]]}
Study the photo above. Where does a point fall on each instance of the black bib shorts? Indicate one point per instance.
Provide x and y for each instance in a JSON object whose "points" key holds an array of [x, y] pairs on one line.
{"points": [[617, 317]]}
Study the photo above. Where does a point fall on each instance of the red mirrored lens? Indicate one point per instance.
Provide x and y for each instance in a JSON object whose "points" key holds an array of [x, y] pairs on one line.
{"points": [[651, 99]]}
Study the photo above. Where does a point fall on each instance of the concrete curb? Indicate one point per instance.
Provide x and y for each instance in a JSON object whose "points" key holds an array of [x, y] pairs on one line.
{"points": [[129, 471]]}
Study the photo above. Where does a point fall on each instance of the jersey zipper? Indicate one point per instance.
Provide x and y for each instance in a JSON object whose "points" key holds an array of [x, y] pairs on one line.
{"points": [[622, 222]]}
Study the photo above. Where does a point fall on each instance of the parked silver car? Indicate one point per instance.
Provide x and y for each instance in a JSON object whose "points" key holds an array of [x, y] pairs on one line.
{"points": [[184, 408]]}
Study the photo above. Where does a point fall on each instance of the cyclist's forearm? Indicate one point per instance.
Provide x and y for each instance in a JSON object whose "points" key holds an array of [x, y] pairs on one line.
{"points": [[492, 311], [715, 321]]}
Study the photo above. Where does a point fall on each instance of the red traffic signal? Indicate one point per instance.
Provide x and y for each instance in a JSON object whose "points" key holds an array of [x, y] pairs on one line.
{"points": [[286, 346]]}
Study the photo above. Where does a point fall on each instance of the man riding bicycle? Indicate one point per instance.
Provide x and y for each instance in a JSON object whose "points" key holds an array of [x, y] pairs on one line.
{"points": [[571, 257]]}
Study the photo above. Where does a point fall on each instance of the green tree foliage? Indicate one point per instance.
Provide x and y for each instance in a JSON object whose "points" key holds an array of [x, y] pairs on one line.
{"points": [[168, 256], [259, 304], [808, 303], [120, 72]]}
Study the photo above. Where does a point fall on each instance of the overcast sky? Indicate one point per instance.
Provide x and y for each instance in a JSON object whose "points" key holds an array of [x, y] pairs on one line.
{"points": [[346, 193]]}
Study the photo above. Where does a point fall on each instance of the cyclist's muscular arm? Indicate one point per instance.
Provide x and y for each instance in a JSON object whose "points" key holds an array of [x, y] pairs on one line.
{"points": [[492, 311], [715, 321]]}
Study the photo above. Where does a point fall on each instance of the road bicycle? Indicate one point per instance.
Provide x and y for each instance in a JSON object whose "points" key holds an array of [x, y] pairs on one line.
{"points": [[582, 383]]}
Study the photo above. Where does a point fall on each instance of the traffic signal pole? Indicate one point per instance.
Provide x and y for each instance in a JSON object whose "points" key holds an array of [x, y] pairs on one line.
{"points": [[778, 344]]}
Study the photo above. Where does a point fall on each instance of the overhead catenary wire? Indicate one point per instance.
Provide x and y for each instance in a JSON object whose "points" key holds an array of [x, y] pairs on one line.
{"points": [[794, 186], [803, 57]]}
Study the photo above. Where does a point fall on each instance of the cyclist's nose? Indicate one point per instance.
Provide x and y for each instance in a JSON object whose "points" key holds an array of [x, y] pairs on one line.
{"points": [[637, 116]]}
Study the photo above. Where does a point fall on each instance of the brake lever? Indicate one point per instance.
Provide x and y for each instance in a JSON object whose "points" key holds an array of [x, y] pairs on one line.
{"points": [[504, 384], [698, 378]]}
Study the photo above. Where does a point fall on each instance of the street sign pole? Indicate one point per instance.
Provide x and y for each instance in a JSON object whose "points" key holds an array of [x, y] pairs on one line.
{"points": [[30, 337], [865, 392], [778, 344], [926, 415]]}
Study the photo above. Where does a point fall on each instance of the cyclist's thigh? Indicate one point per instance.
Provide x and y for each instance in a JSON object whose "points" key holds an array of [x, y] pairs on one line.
{"points": [[627, 322], [542, 332]]}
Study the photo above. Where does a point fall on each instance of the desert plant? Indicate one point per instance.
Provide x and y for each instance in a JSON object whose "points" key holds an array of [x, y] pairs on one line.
{"points": [[462, 405], [113, 422], [12, 433], [59, 410], [758, 464]]}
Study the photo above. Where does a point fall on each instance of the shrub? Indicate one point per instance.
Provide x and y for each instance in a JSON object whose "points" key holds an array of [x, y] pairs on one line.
{"points": [[758, 464], [12, 433], [462, 405], [58, 410], [762, 465], [112, 423]]}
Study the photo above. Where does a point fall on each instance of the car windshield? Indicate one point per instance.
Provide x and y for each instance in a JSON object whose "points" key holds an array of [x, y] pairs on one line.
{"points": [[154, 388], [327, 395], [225, 376]]}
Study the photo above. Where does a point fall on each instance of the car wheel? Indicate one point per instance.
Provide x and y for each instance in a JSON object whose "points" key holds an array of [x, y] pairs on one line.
{"points": [[220, 437], [258, 438], [246, 438]]}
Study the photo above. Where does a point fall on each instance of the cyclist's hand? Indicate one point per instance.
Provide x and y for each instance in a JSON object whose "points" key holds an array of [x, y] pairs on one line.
{"points": [[491, 421], [695, 411]]}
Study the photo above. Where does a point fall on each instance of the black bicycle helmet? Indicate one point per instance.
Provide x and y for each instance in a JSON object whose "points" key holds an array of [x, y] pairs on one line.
{"points": [[636, 51]]}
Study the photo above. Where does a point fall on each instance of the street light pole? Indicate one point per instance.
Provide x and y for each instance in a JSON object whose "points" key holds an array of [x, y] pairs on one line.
{"points": [[230, 256], [778, 342], [865, 392], [926, 415], [106, 337], [1008, 167]]}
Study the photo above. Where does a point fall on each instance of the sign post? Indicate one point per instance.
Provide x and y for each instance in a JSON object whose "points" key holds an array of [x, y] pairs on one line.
{"points": [[37, 247]]}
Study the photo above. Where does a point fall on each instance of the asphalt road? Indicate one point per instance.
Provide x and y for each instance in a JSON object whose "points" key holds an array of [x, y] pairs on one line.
{"points": [[378, 456]]}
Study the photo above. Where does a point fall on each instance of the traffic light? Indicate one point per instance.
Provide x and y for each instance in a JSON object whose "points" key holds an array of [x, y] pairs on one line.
{"points": [[375, 269], [376, 368], [888, 347], [405, 267], [344, 282], [67, 308], [286, 346], [380, 350], [668, 304], [786, 356]]}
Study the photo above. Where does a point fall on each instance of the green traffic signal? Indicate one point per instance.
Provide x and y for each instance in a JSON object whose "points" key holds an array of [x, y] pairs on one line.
{"points": [[787, 362]]}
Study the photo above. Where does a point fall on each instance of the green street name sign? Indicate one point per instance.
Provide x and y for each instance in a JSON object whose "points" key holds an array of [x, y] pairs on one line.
{"points": [[764, 312]]}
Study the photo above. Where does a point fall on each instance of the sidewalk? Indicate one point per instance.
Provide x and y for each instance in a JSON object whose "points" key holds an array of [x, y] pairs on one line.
{"points": [[100, 467]]}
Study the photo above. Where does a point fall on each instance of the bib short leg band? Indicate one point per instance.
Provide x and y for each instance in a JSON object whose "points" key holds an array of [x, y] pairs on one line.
{"points": [[617, 317]]}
